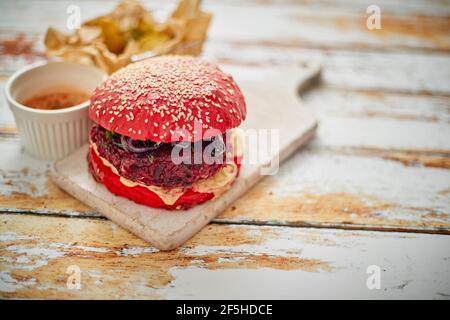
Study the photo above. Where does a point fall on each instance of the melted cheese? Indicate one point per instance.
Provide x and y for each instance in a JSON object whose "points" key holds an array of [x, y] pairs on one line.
{"points": [[217, 184], [105, 162], [168, 196], [237, 145]]}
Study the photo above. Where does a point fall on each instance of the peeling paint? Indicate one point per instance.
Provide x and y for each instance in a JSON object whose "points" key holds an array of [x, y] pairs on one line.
{"points": [[116, 264], [39, 255], [10, 284], [45, 196], [347, 187], [12, 236]]}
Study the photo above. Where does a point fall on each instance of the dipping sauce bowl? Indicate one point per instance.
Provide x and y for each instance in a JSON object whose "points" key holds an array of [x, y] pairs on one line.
{"points": [[52, 134]]}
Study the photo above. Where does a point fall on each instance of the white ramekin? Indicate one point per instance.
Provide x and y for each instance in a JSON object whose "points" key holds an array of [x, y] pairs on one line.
{"points": [[51, 134]]}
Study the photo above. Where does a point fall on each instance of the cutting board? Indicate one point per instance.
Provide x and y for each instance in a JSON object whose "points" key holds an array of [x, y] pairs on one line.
{"points": [[272, 103]]}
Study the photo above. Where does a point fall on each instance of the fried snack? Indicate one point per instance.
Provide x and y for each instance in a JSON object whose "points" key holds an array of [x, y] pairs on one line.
{"points": [[111, 40]]}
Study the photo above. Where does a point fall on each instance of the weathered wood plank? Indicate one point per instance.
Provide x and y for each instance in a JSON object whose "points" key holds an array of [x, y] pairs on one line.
{"points": [[396, 135], [326, 29], [401, 72], [346, 188], [400, 7], [220, 262], [18, 49], [395, 72], [393, 127], [329, 188], [25, 184], [369, 104], [345, 127], [387, 132], [364, 96], [320, 26], [7, 123], [382, 131]]}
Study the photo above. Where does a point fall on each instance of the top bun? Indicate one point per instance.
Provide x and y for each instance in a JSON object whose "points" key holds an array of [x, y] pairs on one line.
{"points": [[157, 97]]}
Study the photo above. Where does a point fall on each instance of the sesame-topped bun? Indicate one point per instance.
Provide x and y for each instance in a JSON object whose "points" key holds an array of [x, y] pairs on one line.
{"points": [[158, 97]]}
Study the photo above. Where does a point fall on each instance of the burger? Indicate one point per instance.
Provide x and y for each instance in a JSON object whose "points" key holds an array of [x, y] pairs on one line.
{"points": [[163, 132]]}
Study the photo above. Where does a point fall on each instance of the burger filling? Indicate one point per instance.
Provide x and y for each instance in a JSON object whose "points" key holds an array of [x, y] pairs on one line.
{"points": [[149, 163]]}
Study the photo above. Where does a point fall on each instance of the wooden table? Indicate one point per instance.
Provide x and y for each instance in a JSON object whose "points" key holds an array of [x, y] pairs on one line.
{"points": [[371, 189]]}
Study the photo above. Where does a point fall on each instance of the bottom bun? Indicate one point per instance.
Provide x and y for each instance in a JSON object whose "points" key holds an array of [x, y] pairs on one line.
{"points": [[141, 194]]}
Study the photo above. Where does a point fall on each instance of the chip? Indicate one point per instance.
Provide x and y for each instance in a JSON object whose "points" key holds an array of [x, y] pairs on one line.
{"points": [[110, 41]]}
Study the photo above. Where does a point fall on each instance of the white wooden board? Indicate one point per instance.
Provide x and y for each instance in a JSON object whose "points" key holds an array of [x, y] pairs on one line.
{"points": [[272, 104]]}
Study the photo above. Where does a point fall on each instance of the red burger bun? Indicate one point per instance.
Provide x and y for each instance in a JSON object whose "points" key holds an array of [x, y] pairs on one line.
{"points": [[157, 97]]}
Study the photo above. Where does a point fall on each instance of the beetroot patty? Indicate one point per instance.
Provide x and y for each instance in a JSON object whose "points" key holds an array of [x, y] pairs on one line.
{"points": [[153, 167]]}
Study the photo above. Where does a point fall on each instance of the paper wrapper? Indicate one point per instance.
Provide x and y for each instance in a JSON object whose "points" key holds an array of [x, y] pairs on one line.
{"points": [[110, 41]]}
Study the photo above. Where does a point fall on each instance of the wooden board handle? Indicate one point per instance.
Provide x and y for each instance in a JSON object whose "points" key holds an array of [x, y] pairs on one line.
{"points": [[308, 75]]}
